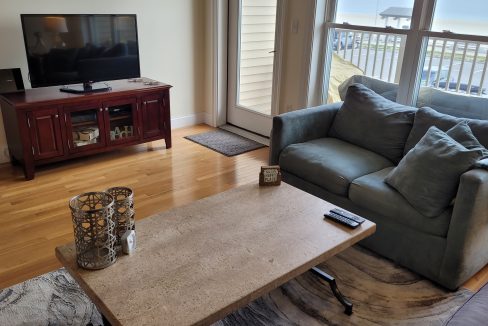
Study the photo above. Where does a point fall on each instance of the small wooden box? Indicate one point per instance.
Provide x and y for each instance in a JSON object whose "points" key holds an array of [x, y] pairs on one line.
{"points": [[270, 176]]}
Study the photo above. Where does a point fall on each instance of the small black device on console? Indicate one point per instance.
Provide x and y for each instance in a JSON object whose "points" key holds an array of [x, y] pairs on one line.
{"points": [[11, 81]]}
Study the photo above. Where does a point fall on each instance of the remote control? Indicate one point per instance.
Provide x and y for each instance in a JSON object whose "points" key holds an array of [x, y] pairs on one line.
{"points": [[341, 219], [348, 215]]}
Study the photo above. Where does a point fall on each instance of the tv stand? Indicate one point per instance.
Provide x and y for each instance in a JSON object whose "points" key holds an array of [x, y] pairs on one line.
{"points": [[44, 125], [87, 87]]}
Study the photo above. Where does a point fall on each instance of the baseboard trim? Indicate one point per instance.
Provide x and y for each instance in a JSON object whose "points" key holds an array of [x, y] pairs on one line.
{"points": [[191, 120]]}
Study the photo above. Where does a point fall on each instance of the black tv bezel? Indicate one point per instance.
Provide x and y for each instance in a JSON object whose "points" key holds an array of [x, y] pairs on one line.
{"points": [[68, 15]]}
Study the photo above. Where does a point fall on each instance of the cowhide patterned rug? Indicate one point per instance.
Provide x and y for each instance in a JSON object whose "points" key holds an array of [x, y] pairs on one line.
{"points": [[381, 292]]}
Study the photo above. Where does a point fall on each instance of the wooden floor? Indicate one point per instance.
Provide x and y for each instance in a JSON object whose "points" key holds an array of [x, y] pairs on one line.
{"points": [[35, 218]]}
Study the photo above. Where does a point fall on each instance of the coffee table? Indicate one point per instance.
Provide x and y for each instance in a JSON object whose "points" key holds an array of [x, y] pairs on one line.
{"points": [[197, 263]]}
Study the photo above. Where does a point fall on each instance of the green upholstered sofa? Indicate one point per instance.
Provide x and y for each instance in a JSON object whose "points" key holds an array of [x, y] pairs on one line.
{"points": [[447, 249]]}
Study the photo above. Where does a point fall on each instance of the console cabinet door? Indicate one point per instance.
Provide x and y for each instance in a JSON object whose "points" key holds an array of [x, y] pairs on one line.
{"points": [[46, 136], [152, 116], [85, 127], [121, 121]]}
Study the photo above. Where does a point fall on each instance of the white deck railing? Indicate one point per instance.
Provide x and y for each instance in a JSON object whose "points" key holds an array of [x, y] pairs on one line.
{"points": [[452, 65]]}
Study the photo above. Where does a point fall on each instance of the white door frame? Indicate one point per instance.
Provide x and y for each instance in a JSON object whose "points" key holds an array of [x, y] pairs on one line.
{"points": [[257, 122], [217, 104], [218, 17]]}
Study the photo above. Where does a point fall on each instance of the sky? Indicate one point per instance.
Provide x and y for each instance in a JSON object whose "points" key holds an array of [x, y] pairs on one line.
{"points": [[469, 16]]}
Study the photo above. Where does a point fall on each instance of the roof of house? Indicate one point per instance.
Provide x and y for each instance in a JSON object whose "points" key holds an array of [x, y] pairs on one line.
{"points": [[397, 12]]}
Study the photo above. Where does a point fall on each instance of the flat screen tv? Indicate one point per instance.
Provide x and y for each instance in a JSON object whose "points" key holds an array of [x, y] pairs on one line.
{"points": [[72, 49]]}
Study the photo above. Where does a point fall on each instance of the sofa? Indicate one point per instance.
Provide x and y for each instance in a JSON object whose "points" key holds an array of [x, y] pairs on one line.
{"points": [[447, 249]]}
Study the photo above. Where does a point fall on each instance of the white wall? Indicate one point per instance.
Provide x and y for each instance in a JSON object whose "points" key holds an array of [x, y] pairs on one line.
{"points": [[171, 44]]}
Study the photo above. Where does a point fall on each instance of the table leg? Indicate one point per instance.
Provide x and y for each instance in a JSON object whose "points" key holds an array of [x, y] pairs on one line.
{"points": [[333, 286], [105, 321]]}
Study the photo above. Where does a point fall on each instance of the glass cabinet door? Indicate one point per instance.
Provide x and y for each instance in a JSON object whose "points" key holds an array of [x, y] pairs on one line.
{"points": [[121, 121], [85, 128]]}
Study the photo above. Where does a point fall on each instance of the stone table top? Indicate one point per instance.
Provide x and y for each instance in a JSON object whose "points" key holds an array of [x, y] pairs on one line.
{"points": [[197, 263]]}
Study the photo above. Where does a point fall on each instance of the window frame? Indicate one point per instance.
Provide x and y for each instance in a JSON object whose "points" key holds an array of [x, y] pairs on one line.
{"points": [[417, 38]]}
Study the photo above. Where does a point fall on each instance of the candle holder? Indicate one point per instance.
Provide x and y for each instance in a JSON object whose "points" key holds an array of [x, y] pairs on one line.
{"points": [[124, 213], [94, 229]]}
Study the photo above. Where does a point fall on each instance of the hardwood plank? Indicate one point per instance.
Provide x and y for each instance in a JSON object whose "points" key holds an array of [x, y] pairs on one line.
{"points": [[35, 215]]}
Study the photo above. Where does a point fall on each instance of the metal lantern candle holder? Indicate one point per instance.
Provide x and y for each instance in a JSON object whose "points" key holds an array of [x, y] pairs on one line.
{"points": [[94, 228], [124, 212]]}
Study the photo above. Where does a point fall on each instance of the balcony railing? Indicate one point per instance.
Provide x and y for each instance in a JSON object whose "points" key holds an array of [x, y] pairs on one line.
{"points": [[451, 65]]}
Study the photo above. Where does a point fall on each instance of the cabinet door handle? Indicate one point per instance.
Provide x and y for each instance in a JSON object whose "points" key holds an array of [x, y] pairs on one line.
{"points": [[56, 116], [106, 109], [145, 102], [101, 109]]}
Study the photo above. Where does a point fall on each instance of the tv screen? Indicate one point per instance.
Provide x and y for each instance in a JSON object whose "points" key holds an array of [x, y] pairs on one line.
{"points": [[71, 49]]}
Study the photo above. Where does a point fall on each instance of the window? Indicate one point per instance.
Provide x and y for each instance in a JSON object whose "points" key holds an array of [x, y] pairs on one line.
{"points": [[374, 47], [388, 39], [456, 52], [379, 13]]}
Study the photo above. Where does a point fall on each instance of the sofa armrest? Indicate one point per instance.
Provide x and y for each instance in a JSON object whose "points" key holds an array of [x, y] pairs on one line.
{"points": [[300, 126], [467, 239]]}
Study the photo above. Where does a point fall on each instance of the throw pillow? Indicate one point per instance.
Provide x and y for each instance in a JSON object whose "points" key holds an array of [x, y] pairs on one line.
{"points": [[428, 176], [371, 121], [427, 117], [462, 134]]}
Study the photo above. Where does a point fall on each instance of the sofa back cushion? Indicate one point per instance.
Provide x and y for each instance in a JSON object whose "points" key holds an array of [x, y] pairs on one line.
{"points": [[371, 121], [427, 117]]}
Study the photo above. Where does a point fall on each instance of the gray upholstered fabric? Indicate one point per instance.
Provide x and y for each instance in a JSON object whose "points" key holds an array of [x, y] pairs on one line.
{"points": [[369, 120], [450, 260], [385, 89], [409, 247], [455, 104], [371, 192], [466, 249], [300, 126], [330, 163], [427, 117], [428, 176], [473, 312], [462, 134]]}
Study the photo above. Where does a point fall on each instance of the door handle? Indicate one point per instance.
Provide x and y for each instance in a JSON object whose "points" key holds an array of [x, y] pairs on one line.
{"points": [[106, 109], [56, 116], [274, 51], [101, 109]]}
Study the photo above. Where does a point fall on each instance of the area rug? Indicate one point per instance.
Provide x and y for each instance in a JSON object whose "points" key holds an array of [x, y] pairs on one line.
{"points": [[225, 142], [382, 294]]}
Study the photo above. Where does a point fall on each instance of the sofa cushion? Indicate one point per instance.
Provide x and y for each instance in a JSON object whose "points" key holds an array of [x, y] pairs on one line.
{"points": [[371, 192], [428, 176], [462, 134], [330, 163], [371, 121], [427, 117]]}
